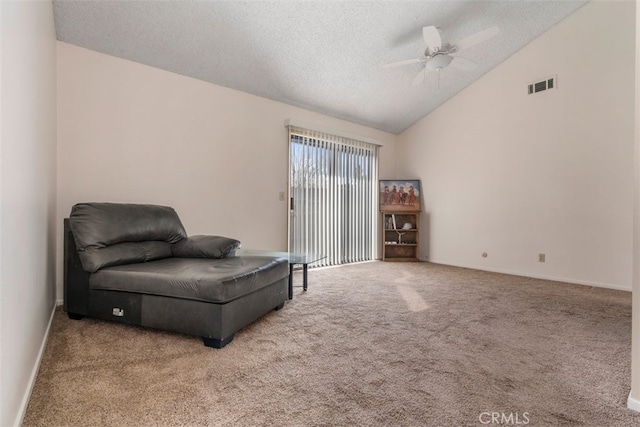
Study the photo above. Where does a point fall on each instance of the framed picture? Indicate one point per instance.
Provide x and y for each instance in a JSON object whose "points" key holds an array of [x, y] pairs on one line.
{"points": [[399, 195]]}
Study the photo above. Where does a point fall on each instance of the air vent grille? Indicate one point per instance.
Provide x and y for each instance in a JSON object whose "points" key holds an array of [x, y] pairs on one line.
{"points": [[542, 85]]}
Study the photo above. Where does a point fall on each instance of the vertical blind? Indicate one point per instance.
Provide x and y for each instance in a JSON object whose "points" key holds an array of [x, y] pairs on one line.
{"points": [[333, 190]]}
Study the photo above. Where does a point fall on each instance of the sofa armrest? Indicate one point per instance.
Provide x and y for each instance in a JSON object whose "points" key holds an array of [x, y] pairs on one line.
{"points": [[75, 278], [205, 247]]}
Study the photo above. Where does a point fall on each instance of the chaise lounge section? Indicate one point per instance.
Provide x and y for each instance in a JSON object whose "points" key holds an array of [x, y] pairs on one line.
{"points": [[135, 264]]}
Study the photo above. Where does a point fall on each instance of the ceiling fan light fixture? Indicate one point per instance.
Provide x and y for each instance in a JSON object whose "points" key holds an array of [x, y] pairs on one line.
{"points": [[439, 62]]}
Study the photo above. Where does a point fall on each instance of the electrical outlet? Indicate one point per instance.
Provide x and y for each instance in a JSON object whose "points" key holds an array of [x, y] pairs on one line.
{"points": [[541, 257], [281, 196]]}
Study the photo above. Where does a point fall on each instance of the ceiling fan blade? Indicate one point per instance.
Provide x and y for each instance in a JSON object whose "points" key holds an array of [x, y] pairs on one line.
{"points": [[420, 78], [463, 63], [432, 38], [477, 38], [400, 63]]}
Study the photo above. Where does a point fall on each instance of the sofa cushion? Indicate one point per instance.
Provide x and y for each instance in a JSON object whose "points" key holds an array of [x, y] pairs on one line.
{"points": [[201, 279], [205, 247], [103, 224], [94, 258]]}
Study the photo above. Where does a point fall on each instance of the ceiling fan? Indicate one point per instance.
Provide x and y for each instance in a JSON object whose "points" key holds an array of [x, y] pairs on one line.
{"points": [[439, 54]]}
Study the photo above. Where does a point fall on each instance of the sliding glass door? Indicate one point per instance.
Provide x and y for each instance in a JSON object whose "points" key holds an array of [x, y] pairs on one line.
{"points": [[333, 189]]}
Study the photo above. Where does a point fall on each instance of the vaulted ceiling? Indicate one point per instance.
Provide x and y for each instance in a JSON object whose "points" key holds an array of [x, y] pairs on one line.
{"points": [[325, 56]]}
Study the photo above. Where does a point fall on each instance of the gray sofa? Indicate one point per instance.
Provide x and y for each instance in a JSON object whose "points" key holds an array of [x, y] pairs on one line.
{"points": [[135, 264]]}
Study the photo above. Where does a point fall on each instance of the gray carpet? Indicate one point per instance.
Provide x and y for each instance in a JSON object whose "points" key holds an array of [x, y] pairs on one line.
{"points": [[408, 344]]}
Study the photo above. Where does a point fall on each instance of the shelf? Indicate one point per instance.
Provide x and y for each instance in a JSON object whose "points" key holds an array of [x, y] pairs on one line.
{"points": [[391, 249]]}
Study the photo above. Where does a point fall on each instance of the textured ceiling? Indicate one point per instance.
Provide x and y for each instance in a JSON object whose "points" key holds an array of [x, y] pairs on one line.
{"points": [[324, 56]]}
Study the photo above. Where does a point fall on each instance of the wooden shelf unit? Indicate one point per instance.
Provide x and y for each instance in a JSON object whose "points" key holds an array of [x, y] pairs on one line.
{"points": [[398, 243]]}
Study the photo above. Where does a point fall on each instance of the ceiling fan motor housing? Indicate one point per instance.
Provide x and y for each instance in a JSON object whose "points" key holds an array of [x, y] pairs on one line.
{"points": [[438, 62], [446, 48]]}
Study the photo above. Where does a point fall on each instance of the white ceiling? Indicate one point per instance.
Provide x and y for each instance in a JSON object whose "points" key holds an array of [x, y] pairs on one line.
{"points": [[324, 56]]}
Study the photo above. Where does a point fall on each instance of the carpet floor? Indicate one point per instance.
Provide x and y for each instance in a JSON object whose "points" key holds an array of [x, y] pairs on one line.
{"points": [[371, 344]]}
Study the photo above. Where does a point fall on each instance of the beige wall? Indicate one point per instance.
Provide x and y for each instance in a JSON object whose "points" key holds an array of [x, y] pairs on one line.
{"points": [[28, 176], [516, 175], [634, 396], [131, 133]]}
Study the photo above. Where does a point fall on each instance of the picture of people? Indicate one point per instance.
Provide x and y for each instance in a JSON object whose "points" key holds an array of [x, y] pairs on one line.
{"points": [[399, 195]]}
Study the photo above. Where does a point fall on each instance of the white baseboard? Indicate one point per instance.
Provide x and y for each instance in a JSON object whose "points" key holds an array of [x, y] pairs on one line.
{"points": [[540, 276], [34, 372], [633, 404]]}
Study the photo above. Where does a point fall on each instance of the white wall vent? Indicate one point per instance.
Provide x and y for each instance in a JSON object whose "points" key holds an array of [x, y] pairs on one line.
{"points": [[541, 85]]}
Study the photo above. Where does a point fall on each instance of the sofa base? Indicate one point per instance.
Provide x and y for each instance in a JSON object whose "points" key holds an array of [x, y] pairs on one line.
{"points": [[212, 342], [215, 323], [219, 343]]}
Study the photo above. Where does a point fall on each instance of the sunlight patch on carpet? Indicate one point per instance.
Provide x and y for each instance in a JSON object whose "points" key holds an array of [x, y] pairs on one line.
{"points": [[414, 300]]}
